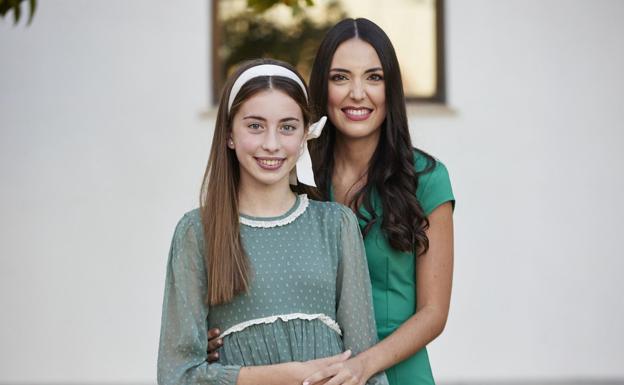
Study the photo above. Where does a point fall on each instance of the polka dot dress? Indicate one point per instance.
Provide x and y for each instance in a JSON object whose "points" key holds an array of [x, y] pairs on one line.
{"points": [[310, 296]]}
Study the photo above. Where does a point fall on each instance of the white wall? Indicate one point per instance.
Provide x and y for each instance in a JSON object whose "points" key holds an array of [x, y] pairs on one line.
{"points": [[102, 149], [537, 164]]}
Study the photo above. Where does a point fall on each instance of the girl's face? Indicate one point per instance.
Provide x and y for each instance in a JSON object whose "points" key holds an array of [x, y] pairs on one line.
{"points": [[267, 136], [356, 100]]}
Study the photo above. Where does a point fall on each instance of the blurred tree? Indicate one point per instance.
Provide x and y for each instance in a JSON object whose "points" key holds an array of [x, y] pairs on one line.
{"points": [[16, 7], [249, 34], [260, 6]]}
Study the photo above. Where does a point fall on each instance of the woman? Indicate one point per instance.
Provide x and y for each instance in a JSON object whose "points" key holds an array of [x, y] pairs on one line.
{"points": [[280, 272], [401, 195]]}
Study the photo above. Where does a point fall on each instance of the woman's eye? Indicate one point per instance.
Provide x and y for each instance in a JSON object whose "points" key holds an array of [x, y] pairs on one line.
{"points": [[255, 126], [338, 77], [376, 77]]}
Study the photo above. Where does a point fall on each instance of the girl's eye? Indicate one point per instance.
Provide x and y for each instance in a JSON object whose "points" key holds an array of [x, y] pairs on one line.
{"points": [[288, 128], [338, 77], [376, 77], [255, 126]]}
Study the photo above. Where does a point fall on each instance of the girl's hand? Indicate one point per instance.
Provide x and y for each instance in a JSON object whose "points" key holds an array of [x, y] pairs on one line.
{"points": [[214, 343], [350, 372]]}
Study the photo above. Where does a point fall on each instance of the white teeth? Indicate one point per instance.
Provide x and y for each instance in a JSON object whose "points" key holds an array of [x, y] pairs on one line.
{"points": [[270, 162], [358, 112]]}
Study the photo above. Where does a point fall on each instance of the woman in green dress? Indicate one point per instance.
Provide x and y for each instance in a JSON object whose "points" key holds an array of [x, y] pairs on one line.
{"points": [[284, 276], [401, 196]]}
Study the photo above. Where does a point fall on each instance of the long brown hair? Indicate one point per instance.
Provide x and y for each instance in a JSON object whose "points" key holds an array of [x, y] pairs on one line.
{"points": [[227, 265], [391, 172]]}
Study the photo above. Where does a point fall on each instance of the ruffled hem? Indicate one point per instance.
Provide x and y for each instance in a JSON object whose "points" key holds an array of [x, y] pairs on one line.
{"points": [[327, 320]]}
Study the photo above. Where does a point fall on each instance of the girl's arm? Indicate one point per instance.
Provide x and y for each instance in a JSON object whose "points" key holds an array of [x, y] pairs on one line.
{"points": [[354, 310], [182, 350]]}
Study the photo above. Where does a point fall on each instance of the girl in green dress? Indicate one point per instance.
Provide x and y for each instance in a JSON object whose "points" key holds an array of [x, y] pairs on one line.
{"points": [[285, 277], [401, 196]]}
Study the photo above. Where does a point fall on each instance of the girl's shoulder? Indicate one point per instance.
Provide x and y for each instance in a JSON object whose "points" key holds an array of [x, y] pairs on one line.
{"points": [[190, 223], [336, 212]]}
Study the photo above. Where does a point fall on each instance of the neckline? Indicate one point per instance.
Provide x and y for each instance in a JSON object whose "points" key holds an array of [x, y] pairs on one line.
{"points": [[301, 203], [362, 209]]}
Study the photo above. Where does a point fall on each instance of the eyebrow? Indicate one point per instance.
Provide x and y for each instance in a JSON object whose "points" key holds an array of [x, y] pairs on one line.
{"points": [[374, 69], [254, 117]]}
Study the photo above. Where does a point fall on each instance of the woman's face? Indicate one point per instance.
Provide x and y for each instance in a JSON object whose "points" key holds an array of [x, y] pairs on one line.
{"points": [[356, 100], [267, 135]]}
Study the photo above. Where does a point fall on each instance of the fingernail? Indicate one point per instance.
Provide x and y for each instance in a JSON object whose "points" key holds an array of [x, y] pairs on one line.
{"points": [[306, 383]]}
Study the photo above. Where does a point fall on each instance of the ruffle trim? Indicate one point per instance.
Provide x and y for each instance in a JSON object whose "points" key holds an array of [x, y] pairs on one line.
{"points": [[327, 320], [301, 208]]}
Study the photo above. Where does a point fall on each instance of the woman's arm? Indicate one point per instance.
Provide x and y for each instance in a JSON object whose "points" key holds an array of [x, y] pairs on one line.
{"points": [[434, 271], [434, 275]]}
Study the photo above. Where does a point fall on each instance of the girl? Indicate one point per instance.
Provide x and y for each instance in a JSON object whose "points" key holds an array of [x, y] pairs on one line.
{"points": [[284, 276]]}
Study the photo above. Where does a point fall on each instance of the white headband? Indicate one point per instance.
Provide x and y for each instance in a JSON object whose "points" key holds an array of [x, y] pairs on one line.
{"points": [[263, 70], [303, 168]]}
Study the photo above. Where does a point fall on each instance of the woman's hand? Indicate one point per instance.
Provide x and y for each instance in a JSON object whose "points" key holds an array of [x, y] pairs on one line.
{"points": [[214, 343], [349, 372], [289, 373]]}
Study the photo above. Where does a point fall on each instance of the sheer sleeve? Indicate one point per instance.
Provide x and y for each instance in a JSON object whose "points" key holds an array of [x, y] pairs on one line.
{"points": [[354, 303], [182, 354]]}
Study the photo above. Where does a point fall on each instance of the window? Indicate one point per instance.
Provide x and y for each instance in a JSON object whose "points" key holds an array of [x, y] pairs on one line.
{"points": [[415, 28]]}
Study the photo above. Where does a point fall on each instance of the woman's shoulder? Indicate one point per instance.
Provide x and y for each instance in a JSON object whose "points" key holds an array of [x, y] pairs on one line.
{"points": [[434, 182], [427, 165]]}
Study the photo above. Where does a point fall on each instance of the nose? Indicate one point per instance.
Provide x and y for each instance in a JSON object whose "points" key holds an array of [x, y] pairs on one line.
{"points": [[357, 90], [271, 141]]}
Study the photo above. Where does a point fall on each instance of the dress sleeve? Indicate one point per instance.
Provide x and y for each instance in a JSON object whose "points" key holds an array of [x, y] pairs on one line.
{"points": [[434, 188], [354, 303], [182, 354]]}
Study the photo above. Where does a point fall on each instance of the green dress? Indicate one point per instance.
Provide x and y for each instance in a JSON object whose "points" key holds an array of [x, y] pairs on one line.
{"points": [[393, 273], [310, 296]]}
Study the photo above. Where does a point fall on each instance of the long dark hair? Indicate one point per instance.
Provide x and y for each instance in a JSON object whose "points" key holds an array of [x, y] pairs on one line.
{"points": [[227, 264], [391, 172]]}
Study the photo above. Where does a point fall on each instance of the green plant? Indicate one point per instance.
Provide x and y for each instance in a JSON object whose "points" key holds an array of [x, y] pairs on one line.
{"points": [[259, 6], [16, 7]]}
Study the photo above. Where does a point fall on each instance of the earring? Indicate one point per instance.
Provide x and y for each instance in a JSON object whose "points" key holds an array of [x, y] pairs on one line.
{"points": [[230, 143]]}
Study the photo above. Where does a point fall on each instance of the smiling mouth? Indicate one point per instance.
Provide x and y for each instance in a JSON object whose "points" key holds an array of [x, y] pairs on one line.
{"points": [[270, 163], [357, 114]]}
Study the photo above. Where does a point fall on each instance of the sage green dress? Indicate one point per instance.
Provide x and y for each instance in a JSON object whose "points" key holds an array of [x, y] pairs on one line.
{"points": [[393, 273], [310, 296]]}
